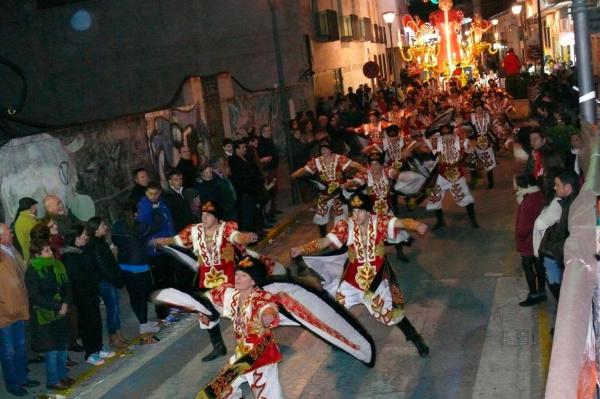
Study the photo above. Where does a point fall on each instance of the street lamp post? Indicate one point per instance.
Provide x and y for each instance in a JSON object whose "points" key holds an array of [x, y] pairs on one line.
{"points": [[516, 10], [540, 37], [389, 17], [284, 112], [587, 95]]}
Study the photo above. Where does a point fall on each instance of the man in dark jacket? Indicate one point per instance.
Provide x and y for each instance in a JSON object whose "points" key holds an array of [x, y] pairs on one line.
{"points": [[177, 203], [141, 179], [566, 187], [269, 158], [247, 180]]}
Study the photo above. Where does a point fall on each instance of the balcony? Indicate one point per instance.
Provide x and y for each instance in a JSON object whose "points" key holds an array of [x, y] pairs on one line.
{"points": [[327, 26]]}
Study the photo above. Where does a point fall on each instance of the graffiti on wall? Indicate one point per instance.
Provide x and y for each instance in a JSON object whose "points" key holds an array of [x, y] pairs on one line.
{"points": [[176, 134], [249, 112], [89, 168], [38, 165]]}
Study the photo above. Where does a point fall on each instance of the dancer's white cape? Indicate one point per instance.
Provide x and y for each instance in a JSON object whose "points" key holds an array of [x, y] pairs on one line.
{"points": [[298, 306]]}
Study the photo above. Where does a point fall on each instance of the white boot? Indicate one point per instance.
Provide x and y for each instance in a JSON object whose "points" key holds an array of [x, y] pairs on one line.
{"points": [[148, 328]]}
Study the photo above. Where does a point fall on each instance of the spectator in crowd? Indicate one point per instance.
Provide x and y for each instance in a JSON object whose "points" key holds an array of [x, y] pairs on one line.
{"points": [[511, 63], [176, 201], [221, 174], [572, 160], [269, 158], [158, 221], [566, 187], [47, 229], [228, 147], [141, 179], [24, 222], [84, 284], [110, 278], [49, 299], [56, 210], [14, 310], [186, 167], [531, 201], [128, 236], [246, 178]]}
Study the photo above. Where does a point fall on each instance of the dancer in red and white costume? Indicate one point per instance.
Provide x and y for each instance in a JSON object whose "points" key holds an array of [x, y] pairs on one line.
{"points": [[216, 243], [329, 169], [450, 149], [484, 150], [368, 278], [253, 313]]}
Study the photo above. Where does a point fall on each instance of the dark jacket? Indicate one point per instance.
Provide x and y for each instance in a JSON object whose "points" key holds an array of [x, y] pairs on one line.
{"points": [[179, 207], [267, 148], [131, 244], [157, 219], [104, 262], [221, 190], [83, 278], [245, 176], [137, 193], [188, 170], [42, 291], [553, 242]]}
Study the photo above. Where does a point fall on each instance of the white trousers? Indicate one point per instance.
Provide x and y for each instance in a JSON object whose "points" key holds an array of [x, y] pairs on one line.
{"points": [[459, 190]]}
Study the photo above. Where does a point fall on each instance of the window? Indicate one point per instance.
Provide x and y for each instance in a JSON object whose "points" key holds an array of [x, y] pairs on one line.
{"points": [[327, 27], [346, 28]]}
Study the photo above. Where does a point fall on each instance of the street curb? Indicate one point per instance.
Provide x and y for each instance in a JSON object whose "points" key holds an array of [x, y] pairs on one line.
{"points": [[290, 217]]}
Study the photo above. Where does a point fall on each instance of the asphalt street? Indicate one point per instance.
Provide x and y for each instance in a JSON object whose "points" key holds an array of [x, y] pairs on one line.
{"points": [[462, 287]]}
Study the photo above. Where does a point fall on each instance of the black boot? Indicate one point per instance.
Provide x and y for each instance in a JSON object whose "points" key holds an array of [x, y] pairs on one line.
{"points": [[219, 348], [474, 179], [400, 254], [471, 213], [555, 290], [322, 230], [439, 215], [540, 272], [412, 335], [490, 179], [528, 264]]}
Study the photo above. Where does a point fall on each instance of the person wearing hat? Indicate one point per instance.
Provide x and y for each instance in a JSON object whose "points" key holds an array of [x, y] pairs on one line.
{"points": [[378, 180], [484, 150], [328, 169], [450, 149], [25, 220], [253, 312], [368, 277], [374, 129], [215, 243]]}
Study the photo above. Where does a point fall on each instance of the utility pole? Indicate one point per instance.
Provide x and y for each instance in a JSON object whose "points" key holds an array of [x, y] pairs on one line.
{"points": [[540, 36], [284, 111], [587, 95]]}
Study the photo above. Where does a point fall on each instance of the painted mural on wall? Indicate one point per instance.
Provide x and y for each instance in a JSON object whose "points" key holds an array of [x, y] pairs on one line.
{"points": [[38, 165], [89, 167], [248, 112], [174, 134]]}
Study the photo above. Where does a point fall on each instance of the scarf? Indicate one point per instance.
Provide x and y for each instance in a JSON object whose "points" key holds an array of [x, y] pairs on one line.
{"points": [[522, 192], [43, 266]]}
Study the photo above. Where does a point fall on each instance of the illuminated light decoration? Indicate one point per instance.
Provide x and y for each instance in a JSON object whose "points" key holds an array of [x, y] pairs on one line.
{"points": [[423, 44], [479, 27], [448, 21], [516, 9]]}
